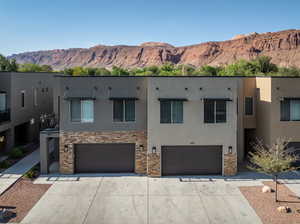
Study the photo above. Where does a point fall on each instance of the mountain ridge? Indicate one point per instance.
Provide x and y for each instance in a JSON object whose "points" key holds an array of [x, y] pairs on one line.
{"points": [[282, 46]]}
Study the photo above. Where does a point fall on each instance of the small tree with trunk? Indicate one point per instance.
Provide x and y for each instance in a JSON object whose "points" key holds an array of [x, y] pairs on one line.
{"points": [[272, 160]]}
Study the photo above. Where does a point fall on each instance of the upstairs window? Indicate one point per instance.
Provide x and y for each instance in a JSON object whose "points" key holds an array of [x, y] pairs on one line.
{"points": [[290, 110], [248, 106], [3, 103], [22, 99], [214, 111], [171, 111], [82, 111], [123, 110]]}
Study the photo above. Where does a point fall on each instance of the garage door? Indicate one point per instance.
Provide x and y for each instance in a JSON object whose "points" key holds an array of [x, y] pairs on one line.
{"points": [[97, 158], [295, 148], [191, 160]]}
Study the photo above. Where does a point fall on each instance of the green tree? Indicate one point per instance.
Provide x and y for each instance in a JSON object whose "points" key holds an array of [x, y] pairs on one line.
{"points": [[78, 71], [68, 71], [7, 65], [264, 64], [272, 160], [46, 68], [208, 70], [102, 71], [118, 71]]}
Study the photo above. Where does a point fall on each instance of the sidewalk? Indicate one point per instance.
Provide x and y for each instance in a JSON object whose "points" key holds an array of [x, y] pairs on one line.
{"points": [[12, 174]]}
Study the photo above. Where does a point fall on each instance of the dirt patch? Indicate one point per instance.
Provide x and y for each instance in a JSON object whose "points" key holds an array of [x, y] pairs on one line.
{"points": [[23, 195], [266, 208]]}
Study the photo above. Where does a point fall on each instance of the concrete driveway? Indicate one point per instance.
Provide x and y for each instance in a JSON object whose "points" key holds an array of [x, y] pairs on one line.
{"points": [[136, 199]]}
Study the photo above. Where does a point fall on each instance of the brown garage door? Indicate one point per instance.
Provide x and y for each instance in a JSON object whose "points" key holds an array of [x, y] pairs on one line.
{"points": [[191, 160], [97, 158]]}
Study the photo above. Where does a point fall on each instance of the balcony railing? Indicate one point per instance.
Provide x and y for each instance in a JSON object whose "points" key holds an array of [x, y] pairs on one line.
{"points": [[4, 115]]}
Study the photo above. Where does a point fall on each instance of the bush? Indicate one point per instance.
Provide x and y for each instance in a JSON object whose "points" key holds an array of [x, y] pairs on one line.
{"points": [[16, 153], [4, 164], [31, 174]]}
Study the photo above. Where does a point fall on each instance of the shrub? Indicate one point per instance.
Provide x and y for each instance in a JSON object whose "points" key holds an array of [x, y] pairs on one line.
{"points": [[4, 164], [31, 174], [16, 153]]}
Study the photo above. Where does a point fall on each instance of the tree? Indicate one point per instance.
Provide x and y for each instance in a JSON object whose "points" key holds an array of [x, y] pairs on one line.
{"points": [[118, 71], [7, 65], [264, 64], [208, 70], [272, 160], [34, 68]]}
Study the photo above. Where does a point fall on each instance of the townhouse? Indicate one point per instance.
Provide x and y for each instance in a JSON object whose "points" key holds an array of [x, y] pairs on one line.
{"points": [[168, 125], [23, 98]]}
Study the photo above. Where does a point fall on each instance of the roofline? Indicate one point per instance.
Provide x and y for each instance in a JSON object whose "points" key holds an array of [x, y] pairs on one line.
{"points": [[154, 76]]}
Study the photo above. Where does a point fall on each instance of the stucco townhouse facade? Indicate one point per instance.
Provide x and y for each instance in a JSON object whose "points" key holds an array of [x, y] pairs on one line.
{"points": [[24, 97], [160, 126]]}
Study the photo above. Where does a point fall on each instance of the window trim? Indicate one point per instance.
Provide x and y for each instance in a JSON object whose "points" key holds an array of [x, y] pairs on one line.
{"points": [[171, 111], [124, 110], [6, 97], [253, 110], [215, 112], [81, 121], [288, 99]]}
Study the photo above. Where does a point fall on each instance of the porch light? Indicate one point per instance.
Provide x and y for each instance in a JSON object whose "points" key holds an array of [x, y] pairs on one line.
{"points": [[66, 148], [230, 149], [153, 149], [141, 147], [2, 138]]}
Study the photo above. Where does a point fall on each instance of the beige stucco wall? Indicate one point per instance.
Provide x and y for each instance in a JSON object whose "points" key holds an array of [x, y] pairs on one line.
{"points": [[263, 109], [193, 130], [283, 87]]}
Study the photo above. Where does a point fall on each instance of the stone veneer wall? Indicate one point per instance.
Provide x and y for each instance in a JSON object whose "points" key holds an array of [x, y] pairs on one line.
{"points": [[154, 165], [230, 164], [71, 138]]}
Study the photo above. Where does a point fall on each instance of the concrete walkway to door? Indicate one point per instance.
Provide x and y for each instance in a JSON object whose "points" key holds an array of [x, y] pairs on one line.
{"points": [[113, 199], [9, 176]]}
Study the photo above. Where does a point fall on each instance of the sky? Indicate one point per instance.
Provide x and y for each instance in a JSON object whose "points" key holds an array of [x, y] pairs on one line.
{"points": [[31, 25]]}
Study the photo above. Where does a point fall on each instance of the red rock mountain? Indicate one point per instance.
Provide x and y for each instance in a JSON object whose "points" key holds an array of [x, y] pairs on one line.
{"points": [[283, 47]]}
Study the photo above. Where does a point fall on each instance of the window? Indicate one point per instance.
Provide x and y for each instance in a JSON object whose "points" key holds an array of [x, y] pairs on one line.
{"points": [[23, 99], [171, 111], [35, 97], [249, 106], [214, 111], [3, 102], [82, 111], [290, 110], [123, 110]]}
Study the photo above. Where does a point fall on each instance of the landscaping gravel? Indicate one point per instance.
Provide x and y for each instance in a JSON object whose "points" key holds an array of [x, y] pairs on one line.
{"points": [[23, 195], [266, 208]]}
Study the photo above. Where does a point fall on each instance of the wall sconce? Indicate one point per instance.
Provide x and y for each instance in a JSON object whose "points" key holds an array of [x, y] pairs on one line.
{"points": [[32, 121], [138, 88], [228, 88], [200, 88], [153, 149], [141, 147], [2, 138], [109, 88], [66, 148], [186, 88], [230, 149], [157, 88], [277, 88], [67, 87]]}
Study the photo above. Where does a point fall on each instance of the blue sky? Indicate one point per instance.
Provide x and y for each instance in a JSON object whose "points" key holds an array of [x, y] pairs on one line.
{"points": [[30, 25]]}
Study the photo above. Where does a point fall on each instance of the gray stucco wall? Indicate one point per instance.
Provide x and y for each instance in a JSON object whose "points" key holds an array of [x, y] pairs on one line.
{"points": [[15, 83], [102, 88], [193, 130]]}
